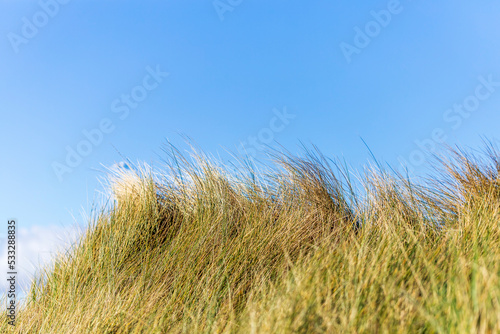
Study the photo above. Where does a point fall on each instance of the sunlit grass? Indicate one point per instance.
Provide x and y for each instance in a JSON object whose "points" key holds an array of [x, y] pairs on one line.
{"points": [[295, 249]]}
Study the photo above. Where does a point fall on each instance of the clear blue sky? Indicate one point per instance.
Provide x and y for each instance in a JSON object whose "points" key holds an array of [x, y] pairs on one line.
{"points": [[232, 66]]}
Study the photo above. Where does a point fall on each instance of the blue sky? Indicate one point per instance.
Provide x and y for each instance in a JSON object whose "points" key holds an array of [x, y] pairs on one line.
{"points": [[236, 69]]}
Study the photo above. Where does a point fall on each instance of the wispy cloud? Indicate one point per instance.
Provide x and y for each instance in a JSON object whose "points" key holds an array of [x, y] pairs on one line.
{"points": [[36, 247]]}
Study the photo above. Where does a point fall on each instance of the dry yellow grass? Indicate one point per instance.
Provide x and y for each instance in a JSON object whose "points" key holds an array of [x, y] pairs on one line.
{"points": [[197, 249]]}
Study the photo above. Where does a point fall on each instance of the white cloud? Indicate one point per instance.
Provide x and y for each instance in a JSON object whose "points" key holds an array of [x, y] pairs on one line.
{"points": [[35, 247]]}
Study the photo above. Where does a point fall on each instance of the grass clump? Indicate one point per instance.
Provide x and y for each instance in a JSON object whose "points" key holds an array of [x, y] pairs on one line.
{"points": [[295, 249]]}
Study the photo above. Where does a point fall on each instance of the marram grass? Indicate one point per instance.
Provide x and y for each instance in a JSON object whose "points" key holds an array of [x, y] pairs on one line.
{"points": [[295, 249]]}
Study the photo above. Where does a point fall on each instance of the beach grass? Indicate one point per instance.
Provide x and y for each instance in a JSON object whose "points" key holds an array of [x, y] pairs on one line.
{"points": [[304, 245]]}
